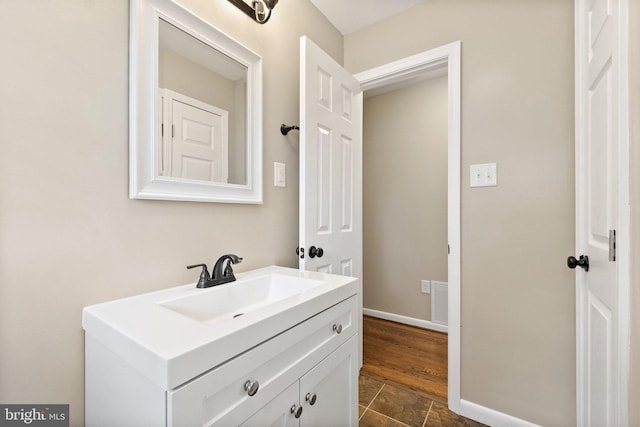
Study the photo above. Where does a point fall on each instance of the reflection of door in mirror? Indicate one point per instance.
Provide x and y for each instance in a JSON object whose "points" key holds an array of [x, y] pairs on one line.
{"points": [[207, 108], [194, 139]]}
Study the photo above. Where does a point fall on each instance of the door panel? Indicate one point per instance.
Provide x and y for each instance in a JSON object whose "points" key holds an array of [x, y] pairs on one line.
{"points": [[199, 143], [323, 178], [347, 185], [194, 138], [330, 164], [597, 213]]}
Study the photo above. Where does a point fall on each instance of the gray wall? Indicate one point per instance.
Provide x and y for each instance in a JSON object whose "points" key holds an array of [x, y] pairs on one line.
{"points": [[405, 197], [518, 300], [69, 235]]}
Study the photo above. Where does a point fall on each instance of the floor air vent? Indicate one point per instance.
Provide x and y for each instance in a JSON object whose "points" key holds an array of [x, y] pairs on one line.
{"points": [[439, 302]]}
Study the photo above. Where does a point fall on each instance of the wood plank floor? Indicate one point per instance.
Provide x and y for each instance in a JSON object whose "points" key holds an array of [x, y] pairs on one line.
{"points": [[411, 357]]}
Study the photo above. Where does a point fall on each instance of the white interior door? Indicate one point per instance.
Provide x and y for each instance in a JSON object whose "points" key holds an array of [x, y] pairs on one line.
{"points": [[599, 371], [330, 165], [197, 145]]}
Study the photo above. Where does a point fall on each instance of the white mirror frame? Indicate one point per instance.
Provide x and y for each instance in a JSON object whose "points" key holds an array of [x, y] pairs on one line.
{"points": [[145, 181]]}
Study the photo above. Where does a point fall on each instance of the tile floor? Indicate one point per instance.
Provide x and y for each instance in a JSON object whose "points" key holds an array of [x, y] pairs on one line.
{"points": [[386, 405]]}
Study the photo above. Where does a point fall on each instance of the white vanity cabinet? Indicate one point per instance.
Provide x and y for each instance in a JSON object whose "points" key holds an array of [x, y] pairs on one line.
{"points": [[323, 397], [311, 358], [294, 362]]}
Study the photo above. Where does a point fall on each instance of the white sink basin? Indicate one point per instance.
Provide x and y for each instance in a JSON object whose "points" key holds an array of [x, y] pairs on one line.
{"points": [[174, 334], [232, 300]]}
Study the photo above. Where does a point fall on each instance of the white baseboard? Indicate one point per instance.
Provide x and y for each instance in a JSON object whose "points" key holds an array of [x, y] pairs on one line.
{"points": [[491, 417], [406, 320]]}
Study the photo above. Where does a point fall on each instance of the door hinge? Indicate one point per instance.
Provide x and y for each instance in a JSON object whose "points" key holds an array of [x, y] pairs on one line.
{"points": [[161, 129], [612, 245], [173, 131], [448, 249]]}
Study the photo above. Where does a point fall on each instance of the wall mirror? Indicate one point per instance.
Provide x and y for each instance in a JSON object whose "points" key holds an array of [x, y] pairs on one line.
{"points": [[195, 109]]}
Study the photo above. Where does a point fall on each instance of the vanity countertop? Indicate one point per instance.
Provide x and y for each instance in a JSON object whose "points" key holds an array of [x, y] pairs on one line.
{"points": [[171, 348]]}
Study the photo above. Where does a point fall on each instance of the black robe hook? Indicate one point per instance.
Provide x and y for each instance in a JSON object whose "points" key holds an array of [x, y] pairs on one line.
{"points": [[284, 129]]}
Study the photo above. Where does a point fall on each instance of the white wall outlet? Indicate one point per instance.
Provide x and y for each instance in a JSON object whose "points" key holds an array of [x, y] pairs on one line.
{"points": [[279, 174], [425, 286], [484, 175]]}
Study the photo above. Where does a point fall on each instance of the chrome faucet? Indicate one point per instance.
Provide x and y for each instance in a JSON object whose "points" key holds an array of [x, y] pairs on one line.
{"points": [[222, 271]]}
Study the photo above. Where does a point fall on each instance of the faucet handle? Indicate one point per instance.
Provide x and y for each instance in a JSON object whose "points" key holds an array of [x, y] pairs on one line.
{"points": [[204, 275]]}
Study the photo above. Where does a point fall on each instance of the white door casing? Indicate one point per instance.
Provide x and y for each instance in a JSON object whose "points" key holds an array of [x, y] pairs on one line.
{"points": [[330, 164], [601, 209], [418, 65]]}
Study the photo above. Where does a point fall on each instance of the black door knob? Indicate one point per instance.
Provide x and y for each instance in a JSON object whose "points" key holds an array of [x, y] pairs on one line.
{"points": [[582, 262], [315, 252]]}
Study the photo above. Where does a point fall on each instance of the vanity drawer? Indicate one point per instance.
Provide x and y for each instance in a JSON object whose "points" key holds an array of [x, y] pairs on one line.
{"points": [[219, 396]]}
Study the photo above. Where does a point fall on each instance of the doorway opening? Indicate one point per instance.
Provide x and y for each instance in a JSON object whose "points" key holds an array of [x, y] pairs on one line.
{"points": [[405, 234], [405, 201], [441, 61]]}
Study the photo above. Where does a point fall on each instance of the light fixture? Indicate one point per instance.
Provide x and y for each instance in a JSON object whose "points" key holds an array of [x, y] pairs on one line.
{"points": [[258, 10]]}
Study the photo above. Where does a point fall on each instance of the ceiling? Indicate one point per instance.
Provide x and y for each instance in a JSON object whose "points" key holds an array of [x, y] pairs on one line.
{"points": [[349, 16]]}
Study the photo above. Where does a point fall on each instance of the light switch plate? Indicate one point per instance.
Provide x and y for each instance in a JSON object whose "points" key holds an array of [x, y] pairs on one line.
{"points": [[425, 286], [484, 175], [279, 174]]}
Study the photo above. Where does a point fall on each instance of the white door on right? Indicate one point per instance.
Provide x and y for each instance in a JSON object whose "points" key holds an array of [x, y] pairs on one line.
{"points": [[599, 399]]}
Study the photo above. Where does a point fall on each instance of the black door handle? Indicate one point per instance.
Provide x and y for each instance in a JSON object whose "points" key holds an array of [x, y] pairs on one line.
{"points": [[315, 252], [582, 262]]}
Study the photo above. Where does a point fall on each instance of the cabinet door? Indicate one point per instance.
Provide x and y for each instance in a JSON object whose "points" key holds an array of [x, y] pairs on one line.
{"points": [[329, 391], [277, 413]]}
